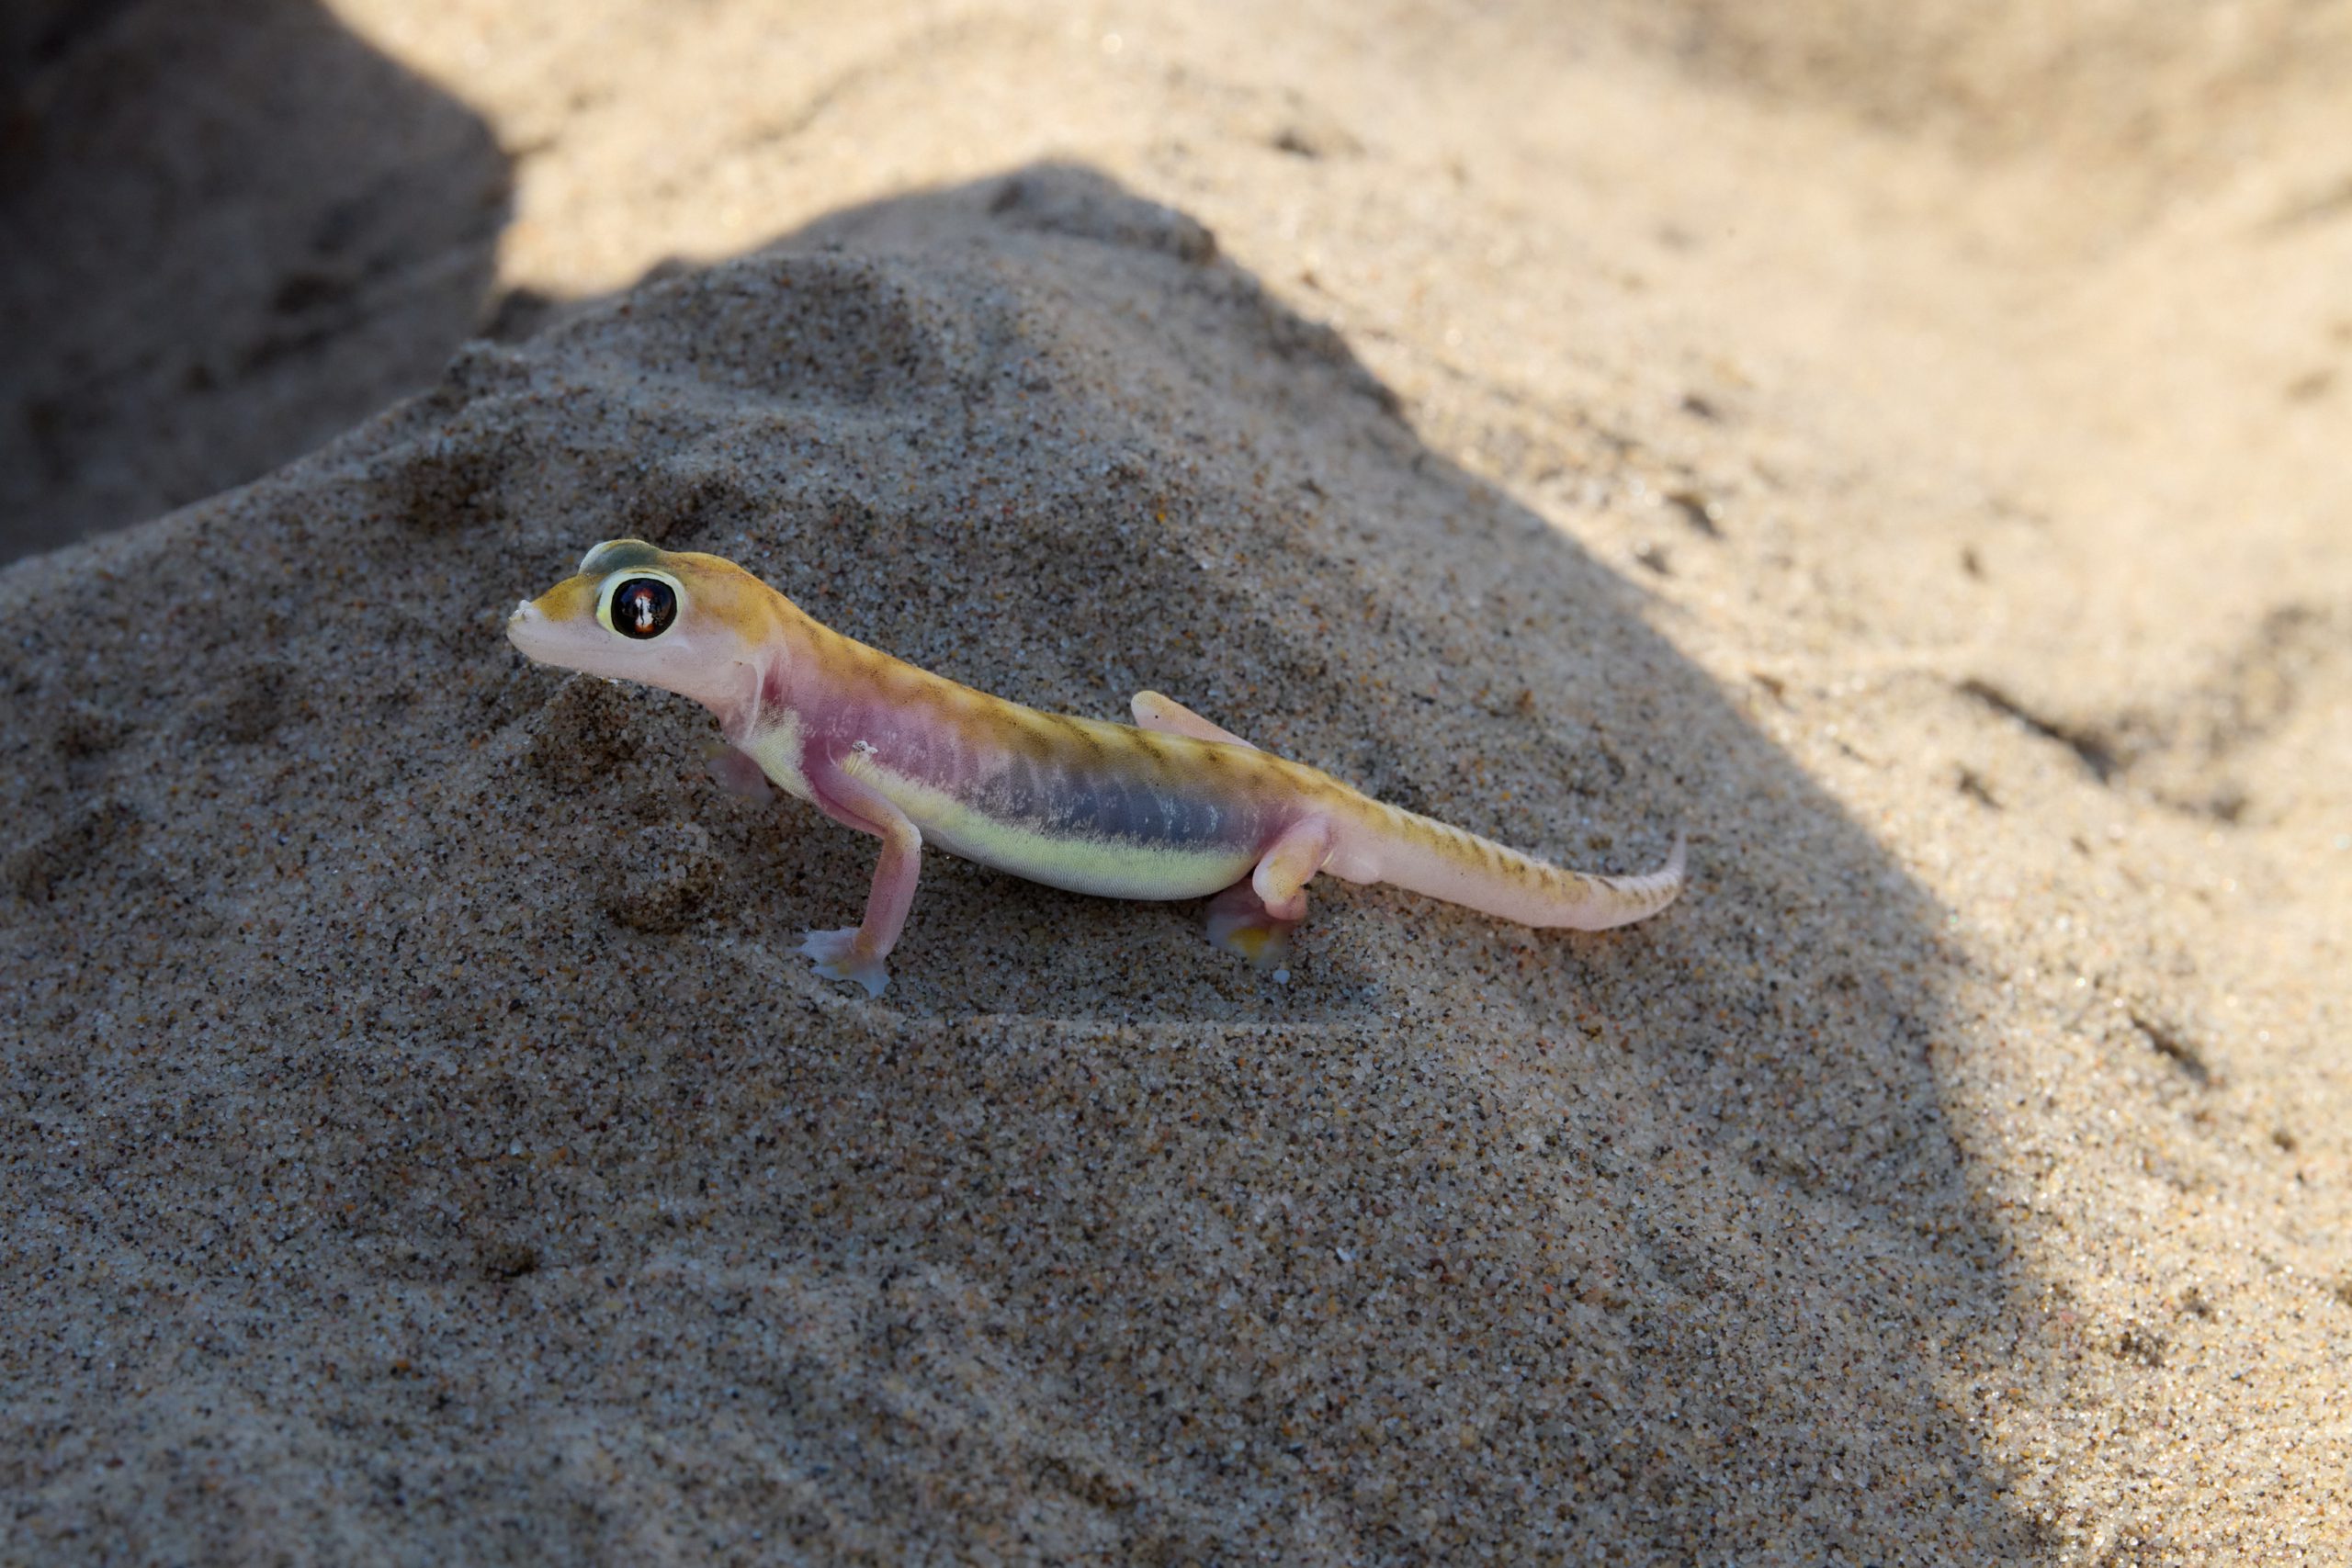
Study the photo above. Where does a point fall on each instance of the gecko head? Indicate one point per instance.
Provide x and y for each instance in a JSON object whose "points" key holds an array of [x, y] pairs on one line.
{"points": [[684, 622]]}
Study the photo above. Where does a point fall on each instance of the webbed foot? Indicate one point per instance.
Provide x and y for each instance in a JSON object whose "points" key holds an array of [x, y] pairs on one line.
{"points": [[1240, 922], [839, 958]]}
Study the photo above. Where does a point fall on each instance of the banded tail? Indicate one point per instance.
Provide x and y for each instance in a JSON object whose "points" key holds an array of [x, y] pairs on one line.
{"points": [[1422, 855]]}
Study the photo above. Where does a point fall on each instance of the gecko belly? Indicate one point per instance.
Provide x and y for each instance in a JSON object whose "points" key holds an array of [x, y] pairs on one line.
{"points": [[1143, 856], [1113, 868]]}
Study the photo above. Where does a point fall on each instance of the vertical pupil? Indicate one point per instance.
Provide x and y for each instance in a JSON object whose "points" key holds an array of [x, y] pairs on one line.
{"points": [[643, 608]]}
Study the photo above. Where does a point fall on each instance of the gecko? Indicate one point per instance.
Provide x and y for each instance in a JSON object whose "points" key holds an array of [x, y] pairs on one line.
{"points": [[1171, 806]]}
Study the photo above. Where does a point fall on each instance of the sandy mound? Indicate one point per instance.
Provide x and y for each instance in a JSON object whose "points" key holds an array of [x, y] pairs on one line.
{"points": [[396, 1170]]}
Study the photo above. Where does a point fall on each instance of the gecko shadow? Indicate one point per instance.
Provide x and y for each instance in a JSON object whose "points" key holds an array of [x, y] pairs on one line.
{"points": [[246, 229], [1629, 1212]]}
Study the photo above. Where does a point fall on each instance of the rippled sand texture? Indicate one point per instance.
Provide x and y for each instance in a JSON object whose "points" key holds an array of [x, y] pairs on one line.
{"points": [[1908, 455]]}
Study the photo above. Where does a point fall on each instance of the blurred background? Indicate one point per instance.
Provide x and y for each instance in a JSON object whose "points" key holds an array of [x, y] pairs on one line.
{"points": [[2099, 247]]}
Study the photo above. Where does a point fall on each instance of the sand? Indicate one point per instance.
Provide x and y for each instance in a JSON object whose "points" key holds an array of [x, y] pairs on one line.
{"points": [[1906, 456]]}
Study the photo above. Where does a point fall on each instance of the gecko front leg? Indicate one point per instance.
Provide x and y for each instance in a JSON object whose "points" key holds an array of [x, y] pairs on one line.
{"points": [[1255, 917], [856, 953]]}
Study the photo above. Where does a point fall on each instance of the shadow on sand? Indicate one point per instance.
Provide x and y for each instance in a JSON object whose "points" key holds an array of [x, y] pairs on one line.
{"points": [[235, 230]]}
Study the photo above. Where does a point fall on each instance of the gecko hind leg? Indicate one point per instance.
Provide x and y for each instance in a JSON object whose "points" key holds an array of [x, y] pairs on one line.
{"points": [[1166, 715]]}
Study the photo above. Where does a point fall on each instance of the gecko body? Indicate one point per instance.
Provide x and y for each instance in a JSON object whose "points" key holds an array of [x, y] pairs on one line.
{"points": [[1171, 806]]}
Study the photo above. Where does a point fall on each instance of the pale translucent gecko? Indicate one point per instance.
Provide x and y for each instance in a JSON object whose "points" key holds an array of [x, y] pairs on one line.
{"points": [[1170, 807]]}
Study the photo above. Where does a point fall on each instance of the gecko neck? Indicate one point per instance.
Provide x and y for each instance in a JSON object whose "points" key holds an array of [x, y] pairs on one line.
{"points": [[781, 671]]}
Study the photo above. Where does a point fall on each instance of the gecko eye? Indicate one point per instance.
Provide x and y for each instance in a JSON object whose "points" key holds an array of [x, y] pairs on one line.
{"points": [[643, 607]]}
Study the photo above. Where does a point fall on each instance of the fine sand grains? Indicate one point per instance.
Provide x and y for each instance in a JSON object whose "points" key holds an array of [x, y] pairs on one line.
{"points": [[423, 1142]]}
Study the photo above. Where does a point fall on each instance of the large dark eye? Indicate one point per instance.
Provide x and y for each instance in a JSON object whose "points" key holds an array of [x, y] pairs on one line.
{"points": [[643, 607]]}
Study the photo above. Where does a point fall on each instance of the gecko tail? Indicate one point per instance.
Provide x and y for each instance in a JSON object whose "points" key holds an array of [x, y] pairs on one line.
{"points": [[1647, 892], [1440, 861]]}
